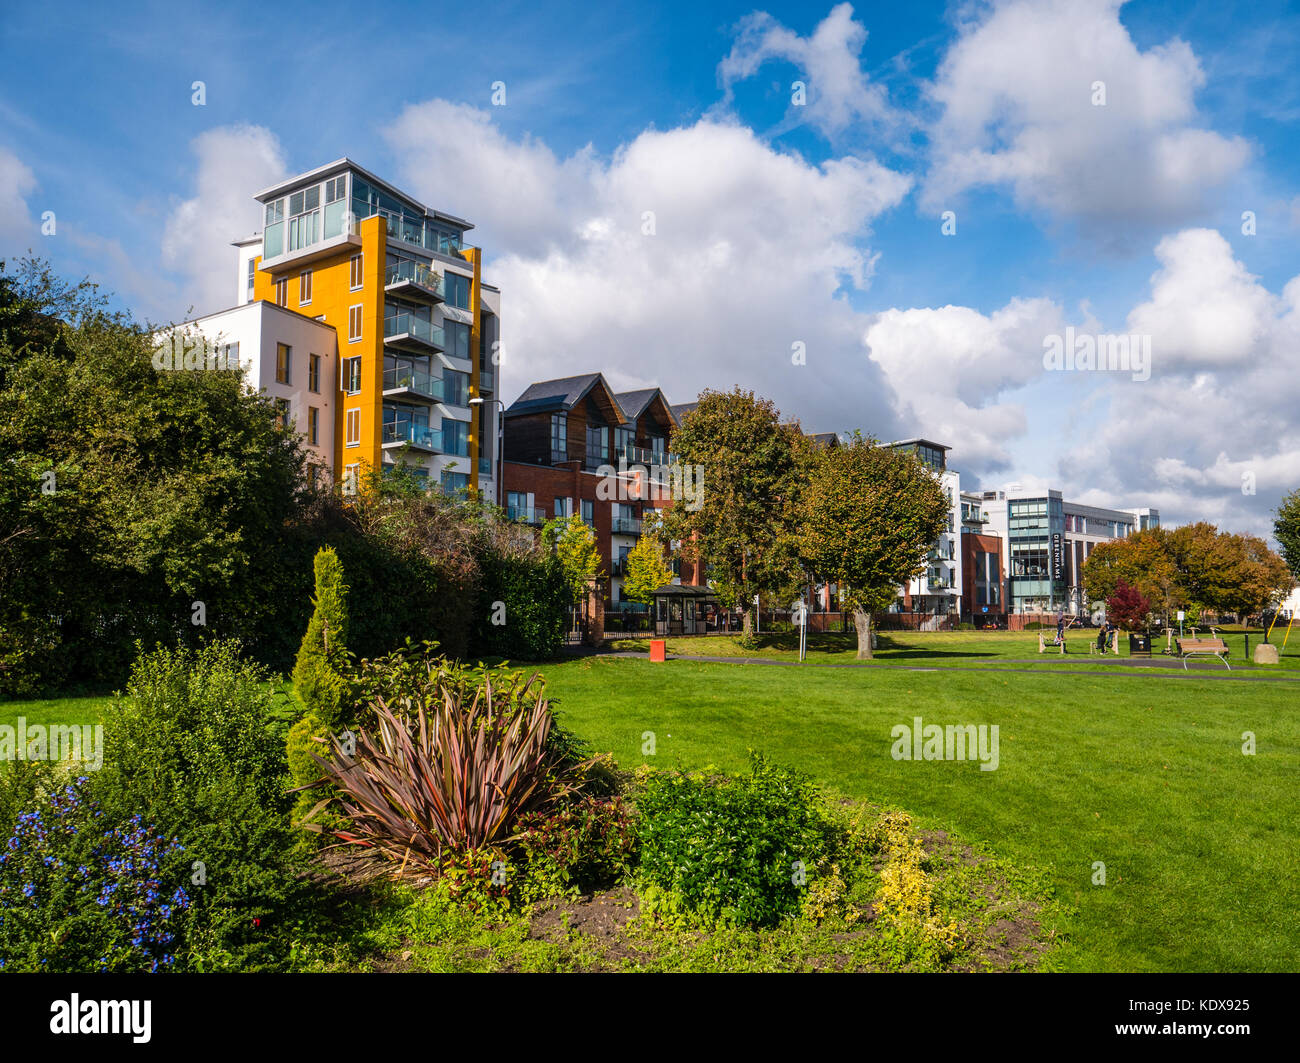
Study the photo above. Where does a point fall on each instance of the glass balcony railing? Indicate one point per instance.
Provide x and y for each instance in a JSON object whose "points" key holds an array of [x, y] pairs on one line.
{"points": [[487, 379], [404, 325], [415, 379], [407, 271], [626, 526], [418, 435], [526, 514]]}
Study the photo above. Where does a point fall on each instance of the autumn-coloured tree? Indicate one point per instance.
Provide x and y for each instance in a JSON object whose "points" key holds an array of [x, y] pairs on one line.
{"points": [[574, 544], [744, 527], [1128, 607], [1143, 561], [647, 570], [867, 516]]}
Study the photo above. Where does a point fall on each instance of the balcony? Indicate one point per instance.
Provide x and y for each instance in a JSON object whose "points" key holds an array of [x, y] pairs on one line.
{"points": [[414, 280], [593, 461], [618, 567], [559, 457], [400, 381], [419, 436], [526, 514], [413, 333], [939, 583], [625, 526]]}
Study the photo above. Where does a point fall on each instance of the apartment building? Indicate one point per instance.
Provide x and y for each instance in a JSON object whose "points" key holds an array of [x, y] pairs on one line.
{"points": [[938, 590], [983, 595], [566, 444], [290, 357], [1048, 540], [415, 326]]}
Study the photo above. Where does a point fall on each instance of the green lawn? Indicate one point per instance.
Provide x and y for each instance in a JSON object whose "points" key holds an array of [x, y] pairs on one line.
{"points": [[980, 648], [1147, 775]]}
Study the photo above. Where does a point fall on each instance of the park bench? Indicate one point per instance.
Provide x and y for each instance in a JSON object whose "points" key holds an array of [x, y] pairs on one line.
{"points": [[1203, 648]]}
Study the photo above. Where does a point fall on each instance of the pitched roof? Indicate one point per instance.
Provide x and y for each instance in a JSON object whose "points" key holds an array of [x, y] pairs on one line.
{"points": [[682, 409], [557, 395], [635, 402], [825, 439]]}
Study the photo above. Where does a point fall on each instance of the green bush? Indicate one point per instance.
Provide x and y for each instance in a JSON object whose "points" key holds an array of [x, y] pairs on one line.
{"points": [[79, 893], [582, 846], [534, 594], [734, 850], [198, 741], [320, 674]]}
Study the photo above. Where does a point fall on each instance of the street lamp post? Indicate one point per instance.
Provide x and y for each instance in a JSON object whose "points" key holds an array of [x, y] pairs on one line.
{"points": [[478, 400]]}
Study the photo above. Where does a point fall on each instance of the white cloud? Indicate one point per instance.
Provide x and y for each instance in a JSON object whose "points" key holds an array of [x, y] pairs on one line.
{"points": [[947, 368], [1016, 92], [749, 249], [233, 163], [838, 91], [17, 183], [1221, 400]]}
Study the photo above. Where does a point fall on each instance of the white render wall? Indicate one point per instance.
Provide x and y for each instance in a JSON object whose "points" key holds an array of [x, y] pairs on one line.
{"points": [[258, 328]]}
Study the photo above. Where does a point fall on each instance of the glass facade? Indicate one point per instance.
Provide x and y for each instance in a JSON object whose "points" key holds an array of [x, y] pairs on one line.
{"points": [[1031, 523]]}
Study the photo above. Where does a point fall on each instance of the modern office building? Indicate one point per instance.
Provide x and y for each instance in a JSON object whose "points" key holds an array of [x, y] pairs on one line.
{"points": [[1047, 542], [416, 327]]}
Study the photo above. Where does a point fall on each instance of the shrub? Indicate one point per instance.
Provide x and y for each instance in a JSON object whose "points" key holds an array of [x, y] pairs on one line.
{"points": [[734, 850], [320, 674], [448, 764], [79, 893], [583, 845], [197, 742], [534, 595]]}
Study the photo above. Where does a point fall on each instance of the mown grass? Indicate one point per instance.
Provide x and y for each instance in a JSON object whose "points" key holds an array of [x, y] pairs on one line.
{"points": [[951, 648], [1147, 776]]}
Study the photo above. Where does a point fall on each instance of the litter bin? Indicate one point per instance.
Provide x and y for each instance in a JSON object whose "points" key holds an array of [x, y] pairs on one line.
{"points": [[1139, 645], [657, 648]]}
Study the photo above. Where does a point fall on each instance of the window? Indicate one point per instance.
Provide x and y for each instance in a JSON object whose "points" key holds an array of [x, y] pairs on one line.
{"points": [[355, 272], [624, 441], [453, 482], [313, 373], [455, 388], [564, 507], [597, 442], [589, 512], [304, 288], [352, 375], [313, 425], [458, 291], [282, 292], [458, 334], [455, 437], [273, 235], [354, 323], [283, 360], [336, 188], [354, 427], [252, 275], [282, 413], [559, 437]]}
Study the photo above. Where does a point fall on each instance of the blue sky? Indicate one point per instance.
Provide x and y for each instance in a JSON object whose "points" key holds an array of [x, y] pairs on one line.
{"points": [[776, 224]]}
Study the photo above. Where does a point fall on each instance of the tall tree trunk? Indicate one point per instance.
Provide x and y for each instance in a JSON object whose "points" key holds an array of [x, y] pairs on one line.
{"points": [[862, 621], [747, 624]]}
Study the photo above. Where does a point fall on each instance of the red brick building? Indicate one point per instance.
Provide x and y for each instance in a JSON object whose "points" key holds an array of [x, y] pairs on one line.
{"points": [[573, 446]]}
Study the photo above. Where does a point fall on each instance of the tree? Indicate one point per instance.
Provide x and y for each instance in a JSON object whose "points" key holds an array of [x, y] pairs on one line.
{"points": [[647, 570], [744, 526], [1143, 561], [867, 516], [574, 544], [320, 674], [1286, 529], [1128, 607]]}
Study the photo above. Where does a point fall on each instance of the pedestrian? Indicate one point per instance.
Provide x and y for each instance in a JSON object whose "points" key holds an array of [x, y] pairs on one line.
{"points": [[1101, 638], [1060, 629]]}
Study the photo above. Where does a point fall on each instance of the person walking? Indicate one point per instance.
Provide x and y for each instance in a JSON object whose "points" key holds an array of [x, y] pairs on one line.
{"points": [[1102, 636], [1060, 629]]}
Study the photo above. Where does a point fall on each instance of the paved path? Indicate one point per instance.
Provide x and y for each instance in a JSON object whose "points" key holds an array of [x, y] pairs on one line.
{"points": [[1138, 669]]}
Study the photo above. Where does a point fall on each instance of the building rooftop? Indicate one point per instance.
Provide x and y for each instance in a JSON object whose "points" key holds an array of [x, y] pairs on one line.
{"points": [[557, 395]]}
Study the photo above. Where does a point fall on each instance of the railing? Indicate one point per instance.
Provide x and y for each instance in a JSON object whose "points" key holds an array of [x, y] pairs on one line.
{"points": [[417, 435], [558, 456], [595, 461], [526, 514], [407, 271], [406, 324], [425, 383], [939, 584], [618, 567], [487, 380], [626, 526]]}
